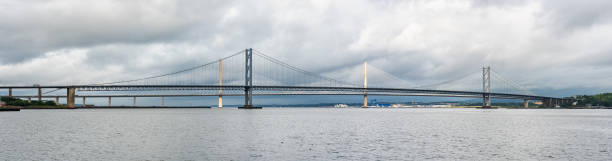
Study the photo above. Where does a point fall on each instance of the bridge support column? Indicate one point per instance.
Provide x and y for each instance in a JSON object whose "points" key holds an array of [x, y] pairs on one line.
{"points": [[162, 101], [365, 84], [39, 94], [10, 92], [551, 103], [134, 104], [70, 97], [84, 103], [365, 100], [248, 81], [220, 83], [29, 99], [57, 100], [526, 103], [547, 103], [220, 101], [109, 101]]}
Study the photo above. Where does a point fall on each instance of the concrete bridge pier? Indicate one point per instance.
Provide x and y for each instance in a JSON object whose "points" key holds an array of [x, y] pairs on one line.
{"points": [[39, 94], [526, 103], [84, 104], [547, 103], [29, 99], [57, 100], [163, 103], [70, 97], [220, 83], [220, 101], [109, 101], [10, 92], [134, 104], [365, 84], [365, 100]]}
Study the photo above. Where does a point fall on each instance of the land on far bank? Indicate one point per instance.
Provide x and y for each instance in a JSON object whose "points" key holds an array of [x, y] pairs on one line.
{"points": [[599, 101]]}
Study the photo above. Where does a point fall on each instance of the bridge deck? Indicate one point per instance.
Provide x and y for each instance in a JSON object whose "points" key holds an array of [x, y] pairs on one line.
{"points": [[279, 90]]}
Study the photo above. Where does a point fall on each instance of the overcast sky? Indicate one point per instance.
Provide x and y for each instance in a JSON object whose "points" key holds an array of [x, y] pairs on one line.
{"points": [[549, 46]]}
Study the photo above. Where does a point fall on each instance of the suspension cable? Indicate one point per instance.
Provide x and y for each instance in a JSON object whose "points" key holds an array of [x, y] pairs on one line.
{"points": [[168, 74], [299, 70]]}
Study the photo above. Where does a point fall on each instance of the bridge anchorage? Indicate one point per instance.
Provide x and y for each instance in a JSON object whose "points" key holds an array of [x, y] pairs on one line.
{"points": [[267, 76]]}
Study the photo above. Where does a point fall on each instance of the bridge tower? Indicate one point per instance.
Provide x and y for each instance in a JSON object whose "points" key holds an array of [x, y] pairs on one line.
{"points": [[486, 87], [365, 84], [248, 80]]}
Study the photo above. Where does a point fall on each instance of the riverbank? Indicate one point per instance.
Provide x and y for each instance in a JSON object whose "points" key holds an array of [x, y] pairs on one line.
{"points": [[94, 107], [140, 107], [9, 109], [144, 107]]}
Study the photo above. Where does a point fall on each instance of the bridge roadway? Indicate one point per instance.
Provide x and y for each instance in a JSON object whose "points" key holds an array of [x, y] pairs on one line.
{"points": [[255, 94], [298, 90]]}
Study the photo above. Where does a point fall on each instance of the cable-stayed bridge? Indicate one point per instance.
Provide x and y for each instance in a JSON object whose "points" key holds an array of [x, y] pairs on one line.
{"points": [[251, 73]]}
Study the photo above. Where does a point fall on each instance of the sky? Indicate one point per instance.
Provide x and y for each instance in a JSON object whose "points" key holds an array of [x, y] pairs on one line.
{"points": [[551, 47]]}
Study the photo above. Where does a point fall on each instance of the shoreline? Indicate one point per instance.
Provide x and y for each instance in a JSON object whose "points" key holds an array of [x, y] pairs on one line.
{"points": [[209, 107], [95, 107]]}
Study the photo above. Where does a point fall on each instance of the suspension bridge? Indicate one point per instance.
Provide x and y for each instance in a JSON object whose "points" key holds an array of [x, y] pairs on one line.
{"points": [[251, 73]]}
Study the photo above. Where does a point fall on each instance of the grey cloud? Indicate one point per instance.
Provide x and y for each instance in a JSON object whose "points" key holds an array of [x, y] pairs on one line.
{"points": [[578, 14], [421, 41], [30, 28]]}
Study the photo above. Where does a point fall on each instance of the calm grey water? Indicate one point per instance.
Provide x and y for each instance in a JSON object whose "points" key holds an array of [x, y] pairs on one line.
{"points": [[306, 134]]}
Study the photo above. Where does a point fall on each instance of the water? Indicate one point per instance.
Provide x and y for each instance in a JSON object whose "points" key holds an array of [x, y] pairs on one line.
{"points": [[306, 134]]}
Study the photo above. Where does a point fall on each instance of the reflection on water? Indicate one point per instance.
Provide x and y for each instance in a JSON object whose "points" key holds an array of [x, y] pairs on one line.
{"points": [[306, 134]]}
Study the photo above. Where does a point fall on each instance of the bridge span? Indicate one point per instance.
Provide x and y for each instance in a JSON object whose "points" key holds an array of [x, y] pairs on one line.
{"points": [[292, 80], [270, 91]]}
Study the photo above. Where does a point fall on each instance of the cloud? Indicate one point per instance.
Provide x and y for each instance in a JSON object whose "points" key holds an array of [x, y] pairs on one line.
{"points": [[572, 14], [31, 28], [545, 45]]}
